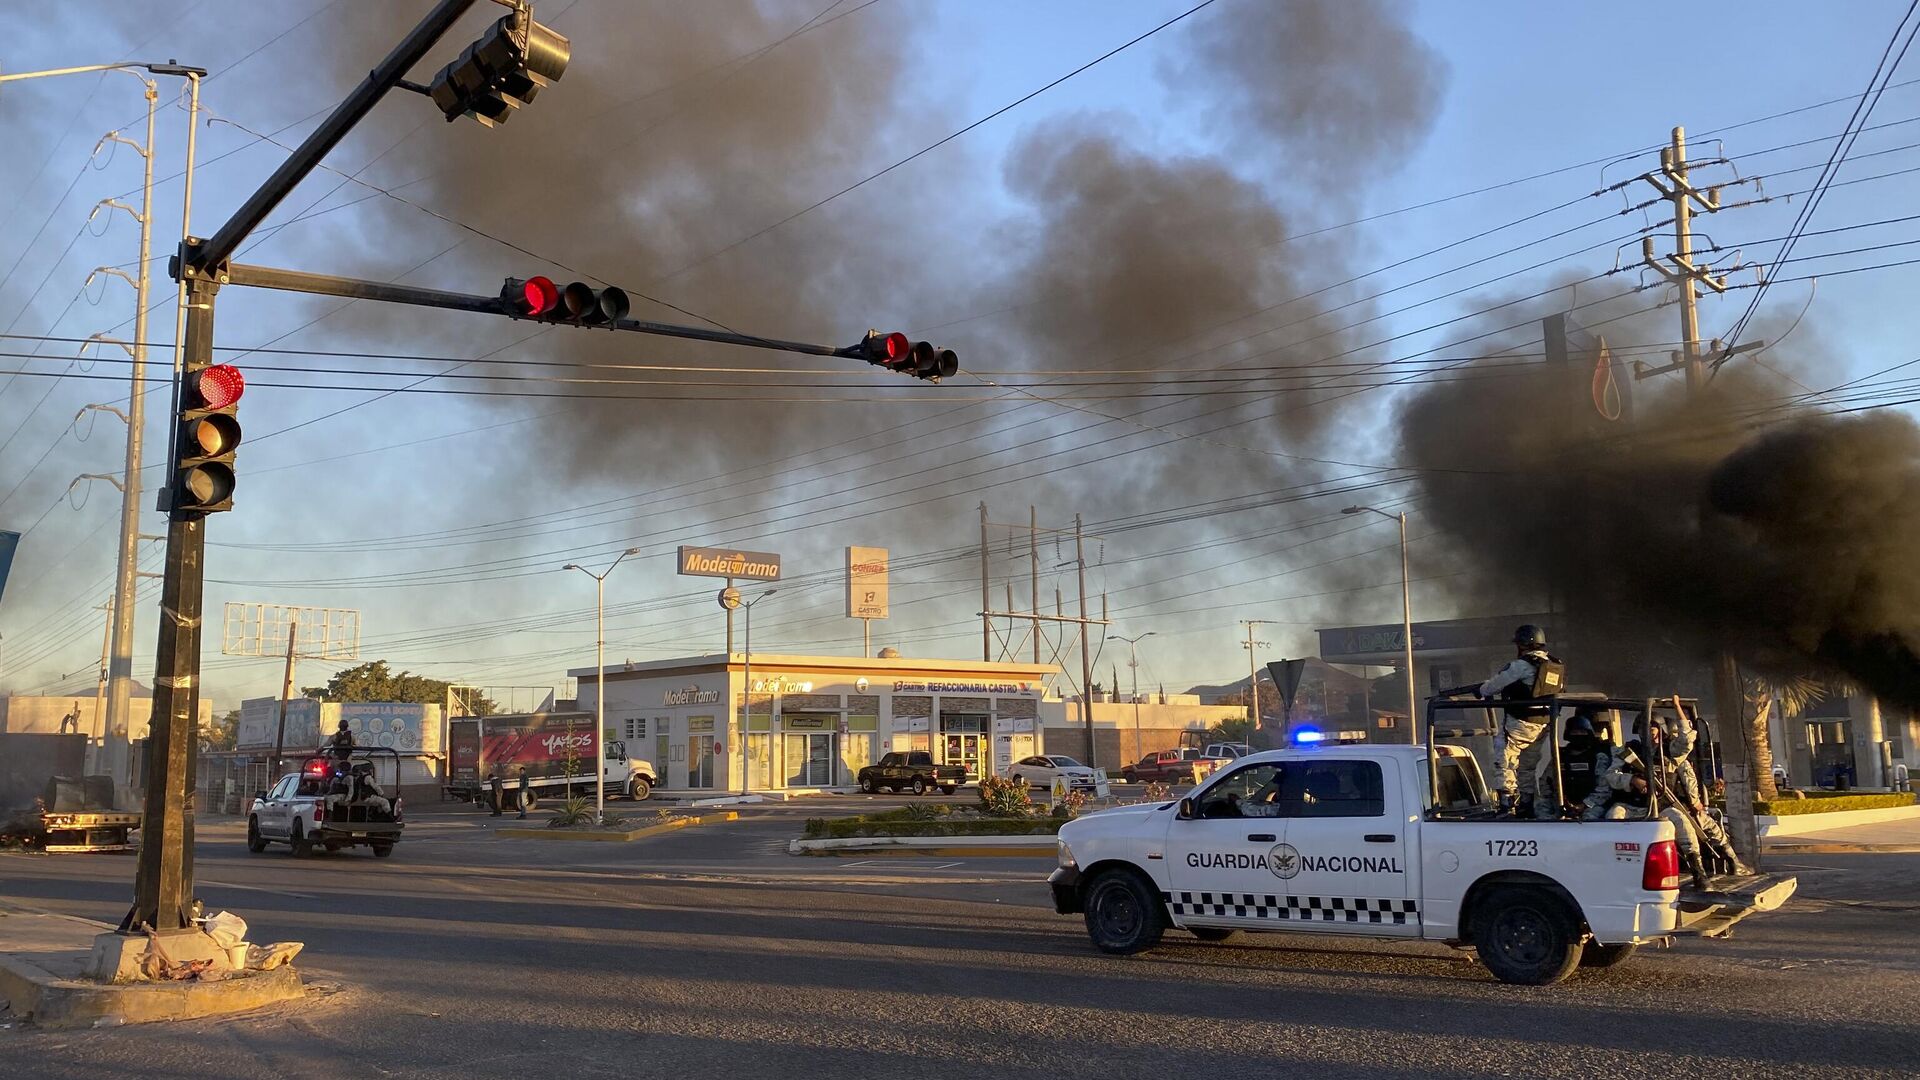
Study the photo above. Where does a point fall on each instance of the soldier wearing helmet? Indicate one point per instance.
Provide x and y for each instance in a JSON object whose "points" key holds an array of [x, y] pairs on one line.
{"points": [[1522, 725], [1585, 758]]}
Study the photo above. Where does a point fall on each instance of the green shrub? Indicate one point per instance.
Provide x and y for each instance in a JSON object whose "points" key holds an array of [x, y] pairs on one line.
{"points": [[1824, 803], [926, 811], [1003, 796], [572, 812]]}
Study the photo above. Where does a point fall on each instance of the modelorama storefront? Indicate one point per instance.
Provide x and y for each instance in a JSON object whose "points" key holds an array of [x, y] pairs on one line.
{"points": [[813, 721]]}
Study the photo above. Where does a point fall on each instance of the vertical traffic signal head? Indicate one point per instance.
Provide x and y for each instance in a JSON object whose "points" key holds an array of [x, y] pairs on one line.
{"points": [[502, 71], [208, 436], [530, 298]]}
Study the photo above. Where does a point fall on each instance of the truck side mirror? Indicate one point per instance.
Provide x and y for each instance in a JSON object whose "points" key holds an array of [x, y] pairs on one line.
{"points": [[260, 795], [1185, 809]]}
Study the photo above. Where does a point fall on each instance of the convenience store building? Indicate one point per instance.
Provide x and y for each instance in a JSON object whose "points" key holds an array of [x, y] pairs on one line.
{"points": [[811, 722]]}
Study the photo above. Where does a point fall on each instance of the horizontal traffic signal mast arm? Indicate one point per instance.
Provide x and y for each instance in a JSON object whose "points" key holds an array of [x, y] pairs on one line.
{"points": [[267, 277]]}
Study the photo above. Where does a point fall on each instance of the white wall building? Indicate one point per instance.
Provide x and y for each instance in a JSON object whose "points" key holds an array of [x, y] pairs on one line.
{"points": [[815, 720]]}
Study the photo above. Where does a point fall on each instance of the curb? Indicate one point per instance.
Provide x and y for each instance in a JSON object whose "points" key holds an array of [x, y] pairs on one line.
{"points": [[602, 836], [1832, 847], [52, 1003], [1042, 845]]}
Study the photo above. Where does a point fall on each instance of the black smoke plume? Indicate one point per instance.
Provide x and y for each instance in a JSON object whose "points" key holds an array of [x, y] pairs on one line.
{"points": [[1716, 521]]}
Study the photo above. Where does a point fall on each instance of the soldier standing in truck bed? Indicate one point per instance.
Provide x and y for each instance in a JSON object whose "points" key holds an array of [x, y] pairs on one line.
{"points": [[1522, 725]]}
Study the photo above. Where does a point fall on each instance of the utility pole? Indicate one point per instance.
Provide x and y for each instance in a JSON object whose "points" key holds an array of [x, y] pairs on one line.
{"points": [[120, 660], [286, 696], [1086, 654], [96, 743], [1253, 674], [986, 593], [1678, 269], [1033, 573]]}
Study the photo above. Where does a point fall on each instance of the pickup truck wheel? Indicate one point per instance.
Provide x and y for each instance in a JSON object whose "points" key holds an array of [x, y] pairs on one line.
{"points": [[383, 850], [1123, 914], [919, 785], [255, 843], [1212, 933], [1597, 957], [638, 788], [867, 785], [1526, 937], [298, 842]]}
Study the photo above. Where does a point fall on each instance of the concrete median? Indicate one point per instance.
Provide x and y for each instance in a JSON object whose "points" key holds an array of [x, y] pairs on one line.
{"points": [[43, 958]]}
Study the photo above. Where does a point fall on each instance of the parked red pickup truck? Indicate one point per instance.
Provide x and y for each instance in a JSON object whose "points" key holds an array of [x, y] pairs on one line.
{"points": [[1170, 767]]}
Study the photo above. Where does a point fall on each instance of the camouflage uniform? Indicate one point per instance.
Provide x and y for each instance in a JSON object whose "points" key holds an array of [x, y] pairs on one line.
{"points": [[1692, 825], [1519, 731]]}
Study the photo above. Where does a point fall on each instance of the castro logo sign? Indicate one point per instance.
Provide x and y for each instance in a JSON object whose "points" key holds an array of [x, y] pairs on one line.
{"points": [[1284, 861]]}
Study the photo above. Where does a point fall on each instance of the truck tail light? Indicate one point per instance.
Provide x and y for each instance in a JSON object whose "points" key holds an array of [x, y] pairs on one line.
{"points": [[397, 813], [1661, 872], [319, 812]]}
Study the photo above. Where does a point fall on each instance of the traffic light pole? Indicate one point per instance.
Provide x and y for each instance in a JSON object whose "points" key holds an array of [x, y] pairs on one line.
{"points": [[163, 880], [300, 281]]}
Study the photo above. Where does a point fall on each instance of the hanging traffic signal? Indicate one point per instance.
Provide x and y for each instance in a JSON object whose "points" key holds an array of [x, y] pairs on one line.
{"points": [[208, 436], [920, 359], [530, 298], [502, 71]]}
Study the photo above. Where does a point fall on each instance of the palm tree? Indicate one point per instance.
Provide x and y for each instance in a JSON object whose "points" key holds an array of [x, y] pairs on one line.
{"points": [[1791, 695]]}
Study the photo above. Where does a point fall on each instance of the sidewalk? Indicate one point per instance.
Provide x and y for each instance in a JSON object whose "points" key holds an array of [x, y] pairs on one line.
{"points": [[1881, 836], [43, 959]]}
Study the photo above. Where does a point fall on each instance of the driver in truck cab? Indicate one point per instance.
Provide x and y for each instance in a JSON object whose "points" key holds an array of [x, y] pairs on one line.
{"points": [[1522, 725]]}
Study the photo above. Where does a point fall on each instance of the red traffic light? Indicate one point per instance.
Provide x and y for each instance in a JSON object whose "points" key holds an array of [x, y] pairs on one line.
{"points": [[219, 386], [530, 298], [888, 349]]}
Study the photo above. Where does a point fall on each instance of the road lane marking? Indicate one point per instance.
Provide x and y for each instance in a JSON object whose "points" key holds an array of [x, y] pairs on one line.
{"points": [[259, 888]]}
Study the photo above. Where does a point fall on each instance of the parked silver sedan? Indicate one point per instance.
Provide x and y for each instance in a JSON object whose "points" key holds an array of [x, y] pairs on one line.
{"points": [[1039, 771]]}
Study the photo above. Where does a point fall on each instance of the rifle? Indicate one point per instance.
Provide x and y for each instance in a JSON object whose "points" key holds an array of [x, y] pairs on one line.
{"points": [[1655, 783]]}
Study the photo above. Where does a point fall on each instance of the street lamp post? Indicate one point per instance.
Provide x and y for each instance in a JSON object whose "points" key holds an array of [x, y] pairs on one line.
{"points": [[1406, 615], [600, 673], [1133, 662]]}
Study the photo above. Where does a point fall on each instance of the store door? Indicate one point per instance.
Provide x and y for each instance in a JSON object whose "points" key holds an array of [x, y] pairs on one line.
{"points": [[964, 748], [700, 761], [810, 759]]}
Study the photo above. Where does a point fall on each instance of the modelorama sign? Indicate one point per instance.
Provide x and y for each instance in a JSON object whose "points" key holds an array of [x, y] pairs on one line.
{"points": [[730, 563], [692, 695]]}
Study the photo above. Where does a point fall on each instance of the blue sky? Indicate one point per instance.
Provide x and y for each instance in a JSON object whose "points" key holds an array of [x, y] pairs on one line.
{"points": [[1528, 89]]}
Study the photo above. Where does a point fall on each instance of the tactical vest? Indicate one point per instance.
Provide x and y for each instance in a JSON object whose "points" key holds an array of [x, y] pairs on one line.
{"points": [[1584, 759]]}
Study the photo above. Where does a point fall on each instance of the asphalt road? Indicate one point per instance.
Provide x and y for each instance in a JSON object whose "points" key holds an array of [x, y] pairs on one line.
{"points": [[711, 952]]}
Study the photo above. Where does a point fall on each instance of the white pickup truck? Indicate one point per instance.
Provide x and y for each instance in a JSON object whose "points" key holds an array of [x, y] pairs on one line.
{"points": [[1337, 839]]}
